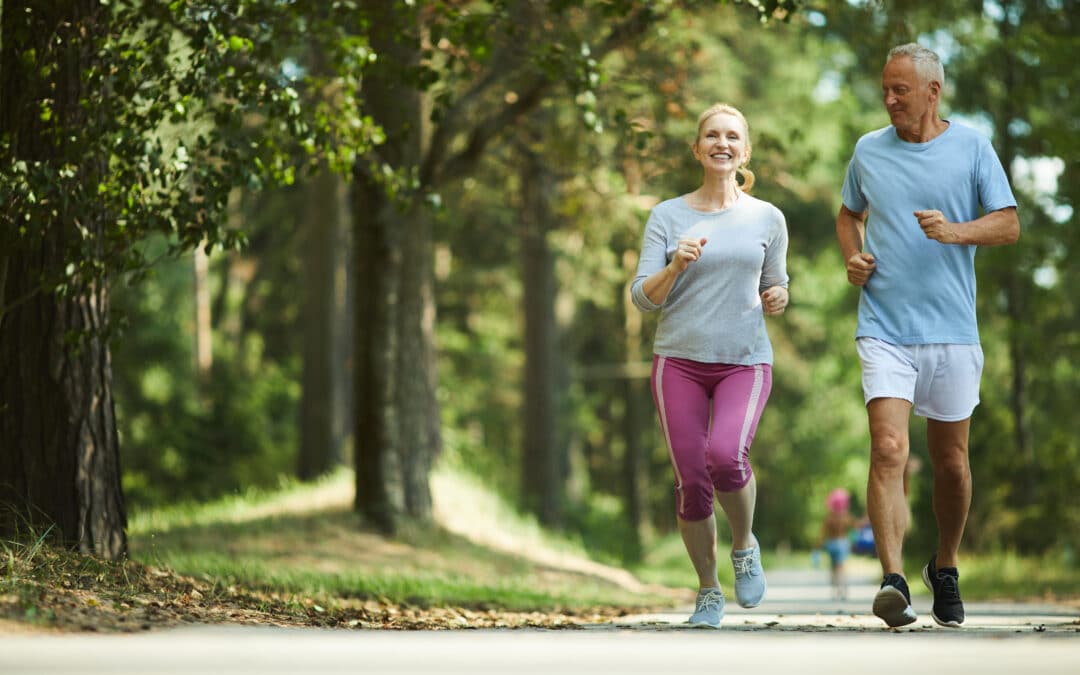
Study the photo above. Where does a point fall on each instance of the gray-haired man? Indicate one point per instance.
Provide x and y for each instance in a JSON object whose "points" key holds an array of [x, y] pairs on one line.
{"points": [[921, 194]]}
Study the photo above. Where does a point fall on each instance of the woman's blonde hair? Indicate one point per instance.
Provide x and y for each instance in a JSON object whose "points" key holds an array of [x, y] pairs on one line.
{"points": [[716, 109]]}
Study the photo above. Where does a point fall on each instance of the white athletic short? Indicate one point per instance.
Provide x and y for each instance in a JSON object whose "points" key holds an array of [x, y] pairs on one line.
{"points": [[940, 380]]}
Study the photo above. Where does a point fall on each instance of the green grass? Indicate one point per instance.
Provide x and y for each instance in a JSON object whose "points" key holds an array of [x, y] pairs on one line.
{"points": [[272, 542], [666, 563], [1009, 576], [241, 507], [302, 545], [31, 565], [510, 592], [19, 558]]}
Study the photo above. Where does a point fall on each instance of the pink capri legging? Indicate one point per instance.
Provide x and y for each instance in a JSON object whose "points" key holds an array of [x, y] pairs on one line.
{"points": [[709, 413]]}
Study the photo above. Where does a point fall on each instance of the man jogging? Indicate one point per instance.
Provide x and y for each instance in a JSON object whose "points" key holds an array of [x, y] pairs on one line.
{"points": [[919, 196]]}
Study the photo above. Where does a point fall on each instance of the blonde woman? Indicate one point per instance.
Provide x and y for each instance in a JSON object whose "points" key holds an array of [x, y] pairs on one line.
{"points": [[713, 262]]}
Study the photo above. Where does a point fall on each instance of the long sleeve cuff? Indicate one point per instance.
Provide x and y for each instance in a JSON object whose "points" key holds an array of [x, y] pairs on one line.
{"points": [[642, 301]]}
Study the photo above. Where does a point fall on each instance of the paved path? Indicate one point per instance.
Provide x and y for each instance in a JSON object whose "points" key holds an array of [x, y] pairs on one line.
{"points": [[798, 630], [801, 600]]}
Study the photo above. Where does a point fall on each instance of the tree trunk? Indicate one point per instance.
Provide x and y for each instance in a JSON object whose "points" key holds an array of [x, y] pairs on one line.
{"points": [[59, 459], [543, 461], [637, 410], [321, 429], [636, 391], [397, 413], [377, 264], [416, 370], [1016, 293]]}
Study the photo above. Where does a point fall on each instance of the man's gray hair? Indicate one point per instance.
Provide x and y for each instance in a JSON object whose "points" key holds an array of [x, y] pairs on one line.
{"points": [[927, 63]]}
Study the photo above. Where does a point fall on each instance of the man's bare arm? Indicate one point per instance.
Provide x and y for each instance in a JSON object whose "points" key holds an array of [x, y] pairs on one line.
{"points": [[850, 234], [992, 229]]}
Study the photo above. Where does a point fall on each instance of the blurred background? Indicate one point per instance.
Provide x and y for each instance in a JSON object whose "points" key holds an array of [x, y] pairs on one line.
{"points": [[443, 280]]}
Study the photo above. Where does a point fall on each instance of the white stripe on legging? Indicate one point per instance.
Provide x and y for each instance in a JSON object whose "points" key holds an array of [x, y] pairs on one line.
{"points": [[667, 435], [748, 420]]}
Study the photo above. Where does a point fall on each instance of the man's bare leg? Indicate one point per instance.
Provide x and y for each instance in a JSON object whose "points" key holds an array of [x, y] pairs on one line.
{"points": [[887, 507], [948, 443], [885, 501]]}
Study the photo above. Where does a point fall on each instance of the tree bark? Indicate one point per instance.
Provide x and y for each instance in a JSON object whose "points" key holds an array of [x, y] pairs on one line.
{"points": [[397, 413], [377, 268], [1016, 293], [321, 429], [544, 459], [59, 458], [636, 388]]}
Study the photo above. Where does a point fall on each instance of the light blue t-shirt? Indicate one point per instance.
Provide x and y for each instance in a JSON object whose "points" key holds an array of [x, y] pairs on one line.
{"points": [[713, 313], [921, 291]]}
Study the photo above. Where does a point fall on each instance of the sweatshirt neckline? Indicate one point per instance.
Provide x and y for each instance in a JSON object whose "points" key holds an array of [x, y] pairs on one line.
{"points": [[686, 204]]}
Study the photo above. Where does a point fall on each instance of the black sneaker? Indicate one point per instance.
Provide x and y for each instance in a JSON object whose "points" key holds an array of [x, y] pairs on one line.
{"points": [[892, 604], [944, 582]]}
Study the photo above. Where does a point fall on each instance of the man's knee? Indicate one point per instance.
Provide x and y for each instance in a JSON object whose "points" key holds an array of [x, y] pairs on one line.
{"points": [[951, 462], [888, 450]]}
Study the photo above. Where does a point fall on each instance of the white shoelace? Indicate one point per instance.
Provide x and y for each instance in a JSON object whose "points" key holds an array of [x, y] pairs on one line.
{"points": [[710, 600], [744, 565]]}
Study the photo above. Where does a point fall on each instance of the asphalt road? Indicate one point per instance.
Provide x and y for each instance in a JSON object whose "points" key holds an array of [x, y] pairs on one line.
{"points": [[797, 630]]}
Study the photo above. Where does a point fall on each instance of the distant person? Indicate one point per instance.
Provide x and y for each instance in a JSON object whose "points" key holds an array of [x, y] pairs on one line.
{"points": [[923, 193], [835, 539], [714, 263]]}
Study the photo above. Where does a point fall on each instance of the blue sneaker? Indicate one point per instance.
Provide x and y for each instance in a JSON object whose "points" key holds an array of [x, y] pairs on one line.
{"points": [[749, 576], [892, 604], [708, 609]]}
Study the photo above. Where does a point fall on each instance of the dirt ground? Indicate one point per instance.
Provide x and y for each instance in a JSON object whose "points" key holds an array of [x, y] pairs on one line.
{"points": [[62, 592], [132, 596]]}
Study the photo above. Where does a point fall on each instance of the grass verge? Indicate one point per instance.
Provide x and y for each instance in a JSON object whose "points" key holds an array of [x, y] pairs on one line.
{"points": [[300, 556]]}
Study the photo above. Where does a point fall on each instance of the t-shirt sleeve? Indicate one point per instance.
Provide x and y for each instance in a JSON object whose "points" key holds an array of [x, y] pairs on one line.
{"points": [[653, 259], [994, 190], [774, 267], [851, 193]]}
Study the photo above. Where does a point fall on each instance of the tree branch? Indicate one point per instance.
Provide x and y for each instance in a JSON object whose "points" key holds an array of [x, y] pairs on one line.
{"points": [[436, 165]]}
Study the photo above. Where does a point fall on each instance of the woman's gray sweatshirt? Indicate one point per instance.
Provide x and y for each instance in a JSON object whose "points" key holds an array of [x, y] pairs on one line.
{"points": [[713, 313]]}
